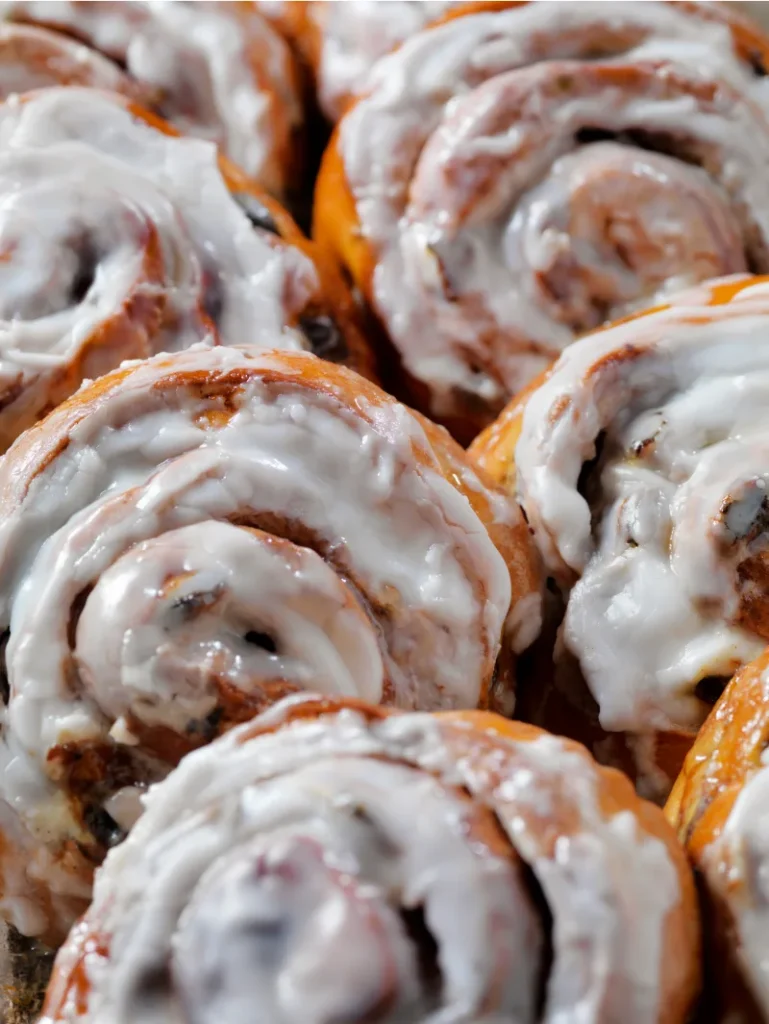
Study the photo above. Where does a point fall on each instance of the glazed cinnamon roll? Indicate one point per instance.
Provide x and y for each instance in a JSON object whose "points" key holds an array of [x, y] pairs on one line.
{"points": [[516, 177], [119, 239], [642, 466], [215, 70], [335, 862], [195, 535], [719, 807]]}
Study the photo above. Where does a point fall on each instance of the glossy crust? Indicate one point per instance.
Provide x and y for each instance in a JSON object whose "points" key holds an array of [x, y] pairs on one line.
{"points": [[726, 755], [477, 761], [499, 360], [144, 317], [90, 43], [293, 519], [557, 693]]}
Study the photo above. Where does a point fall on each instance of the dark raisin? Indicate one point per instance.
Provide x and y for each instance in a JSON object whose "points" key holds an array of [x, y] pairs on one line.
{"points": [[588, 135], [325, 338], [426, 947], [5, 686], [87, 262], [154, 981], [586, 483], [263, 640], [103, 826], [709, 689], [213, 296], [756, 61], [256, 212], [208, 727]]}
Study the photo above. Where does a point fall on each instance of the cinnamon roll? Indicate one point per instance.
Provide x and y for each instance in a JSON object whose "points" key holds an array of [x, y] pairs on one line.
{"points": [[641, 463], [195, 535], [119, 239], [719, 807], [514, 178], [215, 70], [333, 861]]}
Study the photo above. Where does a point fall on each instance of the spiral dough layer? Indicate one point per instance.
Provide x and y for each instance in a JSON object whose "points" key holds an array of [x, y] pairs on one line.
{"points": [[119, 240], [192, 537], [215, 70], [333, 863], [642, 463], [516, 177]]}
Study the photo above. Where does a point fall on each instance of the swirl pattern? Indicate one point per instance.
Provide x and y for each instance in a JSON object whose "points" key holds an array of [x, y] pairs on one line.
{"points": [[641, 463], [516, 177], [198, 534], [215, 70], [119, 240], [333, 863]]}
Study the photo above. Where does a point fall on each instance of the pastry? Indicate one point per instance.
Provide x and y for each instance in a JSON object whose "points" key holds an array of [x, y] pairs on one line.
{"points": [[118, 239], [196, 535], [641, 463], [215, 70], [336, 862], [513, 178]]}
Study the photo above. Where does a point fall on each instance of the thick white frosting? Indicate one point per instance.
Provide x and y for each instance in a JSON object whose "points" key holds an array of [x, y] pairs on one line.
{"points": [[355, 36], [200, 57], [679, 398], [36, 58], [107, 223], [497, 233], [274, 876], [131, 524], [741, 859]]}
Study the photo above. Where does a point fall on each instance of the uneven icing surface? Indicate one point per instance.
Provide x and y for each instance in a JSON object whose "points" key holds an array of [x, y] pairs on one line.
{"points": [[143, 250], [282, 877], [356, 35], [36, 58], [661, 548], [744, 849], [219, 70], [524, 175], [165, 555]]}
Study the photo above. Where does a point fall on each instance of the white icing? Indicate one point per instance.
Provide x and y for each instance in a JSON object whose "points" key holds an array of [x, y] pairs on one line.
{"points": [[131, 519], [89, 190], [201, 60], [255, 859], [34, 58], [497, 235], [658, 595], [743, 847], [356, 35]]}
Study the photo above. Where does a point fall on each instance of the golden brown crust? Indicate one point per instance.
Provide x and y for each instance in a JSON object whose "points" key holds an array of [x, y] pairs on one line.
{"points": [[209, 385], [337, 227], [554, 693], [725, 755], [681, 962]]}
